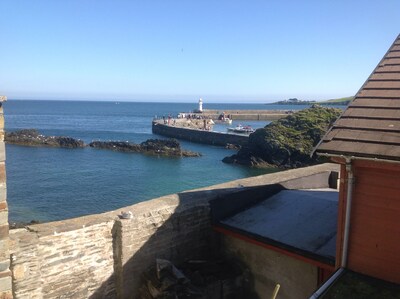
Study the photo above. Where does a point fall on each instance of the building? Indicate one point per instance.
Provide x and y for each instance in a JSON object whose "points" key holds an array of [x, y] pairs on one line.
{"points": [[365, 141], [283, 233]]}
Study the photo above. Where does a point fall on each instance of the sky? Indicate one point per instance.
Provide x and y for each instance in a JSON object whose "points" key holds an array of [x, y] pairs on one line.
{"points": [[223, 51]]}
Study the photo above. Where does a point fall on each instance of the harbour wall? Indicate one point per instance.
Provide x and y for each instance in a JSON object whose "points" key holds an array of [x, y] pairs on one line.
{"points": [[267, 115], [103, 256], [197, 135]]}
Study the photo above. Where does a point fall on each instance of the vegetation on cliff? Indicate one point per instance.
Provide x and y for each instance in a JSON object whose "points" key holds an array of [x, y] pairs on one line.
{"points": [[294, 101], [287, 142]]}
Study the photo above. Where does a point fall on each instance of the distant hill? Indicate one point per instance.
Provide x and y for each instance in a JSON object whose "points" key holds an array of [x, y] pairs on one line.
{"points": [[295, 101], [340, 101]]}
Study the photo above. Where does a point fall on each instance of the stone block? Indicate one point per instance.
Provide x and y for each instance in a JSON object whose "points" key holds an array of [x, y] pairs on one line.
{"points": [[3, 98], [4, 254], [2, 173], [3, 192], [4, 265], [1, 121], [19, 272], [4, 231], [4, 217], [6, 295], [6, 273], [4, 247], [5, 283], [2, 151]]}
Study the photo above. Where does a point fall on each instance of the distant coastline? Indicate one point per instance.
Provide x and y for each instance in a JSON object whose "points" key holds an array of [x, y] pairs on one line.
{"points": [[294, 101]]}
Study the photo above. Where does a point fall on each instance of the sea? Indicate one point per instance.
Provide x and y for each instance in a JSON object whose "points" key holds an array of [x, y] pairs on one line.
{"points": [[47, 184]]}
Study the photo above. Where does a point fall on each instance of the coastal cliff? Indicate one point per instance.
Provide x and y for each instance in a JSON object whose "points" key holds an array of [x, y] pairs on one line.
{"points": [[287, 142]]}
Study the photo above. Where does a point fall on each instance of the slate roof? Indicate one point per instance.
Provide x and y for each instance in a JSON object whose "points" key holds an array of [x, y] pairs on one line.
{"points": [[370, 126], [300, 221]]}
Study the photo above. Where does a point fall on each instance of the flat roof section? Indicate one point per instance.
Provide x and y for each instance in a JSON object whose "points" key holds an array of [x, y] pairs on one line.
{"points": [[302, 221]]}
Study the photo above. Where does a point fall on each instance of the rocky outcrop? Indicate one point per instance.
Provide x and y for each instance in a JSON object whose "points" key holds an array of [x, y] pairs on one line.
{"points": [[287, 142], [169, 147], [31, 137]]}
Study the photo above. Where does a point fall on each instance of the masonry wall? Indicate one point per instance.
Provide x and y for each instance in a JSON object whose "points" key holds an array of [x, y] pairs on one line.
{"points": [[5, 274], [102, 256], [249, 114], [53, 263], [267, 268], [199, 136]]}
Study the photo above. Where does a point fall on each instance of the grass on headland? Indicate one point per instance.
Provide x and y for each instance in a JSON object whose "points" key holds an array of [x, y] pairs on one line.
{"points": [[340, 101]]}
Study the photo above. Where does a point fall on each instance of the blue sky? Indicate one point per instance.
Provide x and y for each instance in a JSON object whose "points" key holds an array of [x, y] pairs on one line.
{"points": [[223, 51]]}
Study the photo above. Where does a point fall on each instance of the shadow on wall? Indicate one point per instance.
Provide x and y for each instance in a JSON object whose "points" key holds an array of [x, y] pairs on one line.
{"points": [[177, 228], [101, 256]]}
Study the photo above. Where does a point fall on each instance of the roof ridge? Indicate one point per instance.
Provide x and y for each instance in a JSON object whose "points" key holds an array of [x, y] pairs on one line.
{"points": [[377, 125]]}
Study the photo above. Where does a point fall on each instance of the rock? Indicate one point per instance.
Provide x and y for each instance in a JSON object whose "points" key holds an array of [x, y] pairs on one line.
{"points": [[233, 146], [169, 147], [120, 146], [287, 142], [14, 225], [31, 137]]}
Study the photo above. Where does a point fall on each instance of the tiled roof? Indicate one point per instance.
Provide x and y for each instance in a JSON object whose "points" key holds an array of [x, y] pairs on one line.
{"points": [[370, 126]]}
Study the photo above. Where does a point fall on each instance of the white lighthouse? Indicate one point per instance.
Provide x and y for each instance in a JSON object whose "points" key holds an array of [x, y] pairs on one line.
{"points": [[200, 105]]}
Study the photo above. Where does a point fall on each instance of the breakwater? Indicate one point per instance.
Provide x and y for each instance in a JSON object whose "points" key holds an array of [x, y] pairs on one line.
{"points": [[197, 135], [248, 114]]}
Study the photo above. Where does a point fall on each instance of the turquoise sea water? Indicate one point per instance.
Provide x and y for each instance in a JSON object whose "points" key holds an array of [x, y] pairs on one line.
{"points": [[48, 184]]}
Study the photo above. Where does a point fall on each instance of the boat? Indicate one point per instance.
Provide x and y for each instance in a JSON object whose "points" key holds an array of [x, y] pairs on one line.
{"points": [[224, 119], [241, 129]]}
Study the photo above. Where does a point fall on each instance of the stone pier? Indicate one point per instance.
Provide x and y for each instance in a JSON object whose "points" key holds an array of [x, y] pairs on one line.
{"points": [[196, 135], [267, 115]]}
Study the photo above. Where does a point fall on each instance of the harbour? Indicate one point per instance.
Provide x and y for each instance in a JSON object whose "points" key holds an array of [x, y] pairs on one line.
{"points": [[259, 115]]}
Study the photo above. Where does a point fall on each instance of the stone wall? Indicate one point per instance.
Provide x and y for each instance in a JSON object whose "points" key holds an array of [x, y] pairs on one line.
{"points": [[103, 256], [5, 274], [69, 264], [199, 136], [267, 115]]}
